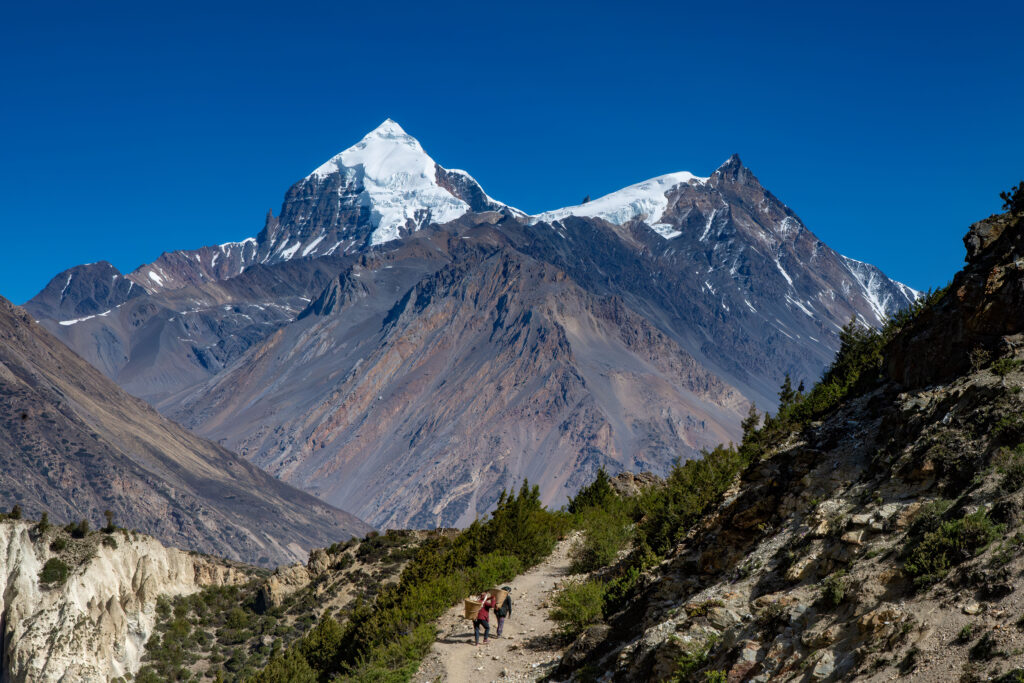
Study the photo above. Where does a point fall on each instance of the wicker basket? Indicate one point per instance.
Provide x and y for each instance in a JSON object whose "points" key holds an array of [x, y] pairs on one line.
{"points": [[499, 596], [473, 608]]}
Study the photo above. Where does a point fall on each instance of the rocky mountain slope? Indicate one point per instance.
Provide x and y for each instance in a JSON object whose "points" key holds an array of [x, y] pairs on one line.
{"points": [[320, 348], [74, 445], [83, 609], [420, 411], [873, 538]]}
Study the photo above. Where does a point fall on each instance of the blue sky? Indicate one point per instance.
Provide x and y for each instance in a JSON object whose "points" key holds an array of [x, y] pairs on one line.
{"points": [[134, 128]]}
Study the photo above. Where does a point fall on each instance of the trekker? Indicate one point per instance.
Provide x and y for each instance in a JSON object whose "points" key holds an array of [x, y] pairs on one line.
{"points": [[483, 619], [504, 610]]}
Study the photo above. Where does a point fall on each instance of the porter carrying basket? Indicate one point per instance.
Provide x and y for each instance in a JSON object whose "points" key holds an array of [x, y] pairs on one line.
{"points": [[472, 608], [499, 596]]}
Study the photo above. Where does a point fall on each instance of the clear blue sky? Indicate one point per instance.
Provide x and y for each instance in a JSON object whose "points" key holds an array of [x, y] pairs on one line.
{"points": [[134, 128]]}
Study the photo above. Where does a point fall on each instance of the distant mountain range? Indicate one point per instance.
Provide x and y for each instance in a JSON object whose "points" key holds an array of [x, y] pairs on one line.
{"points": [[74, 444], [404, 346]]}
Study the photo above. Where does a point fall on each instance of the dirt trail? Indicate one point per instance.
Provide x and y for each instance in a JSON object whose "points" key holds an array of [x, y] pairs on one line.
{"points": [[527, 649]]}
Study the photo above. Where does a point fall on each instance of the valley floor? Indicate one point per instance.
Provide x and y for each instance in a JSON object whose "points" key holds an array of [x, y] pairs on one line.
{"points": [[529, 647]]}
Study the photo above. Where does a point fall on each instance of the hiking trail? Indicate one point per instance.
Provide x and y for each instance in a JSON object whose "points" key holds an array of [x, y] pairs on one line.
{"points": [[527, 650]]}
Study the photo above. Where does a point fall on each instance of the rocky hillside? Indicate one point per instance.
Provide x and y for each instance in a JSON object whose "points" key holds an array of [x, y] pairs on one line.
{"points": [[83, 608], [668, 306], [75, 445], [872, 530]]}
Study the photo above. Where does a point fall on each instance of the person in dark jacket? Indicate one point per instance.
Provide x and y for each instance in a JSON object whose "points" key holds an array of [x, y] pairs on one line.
{"points": [[504, 609], [483, 618]]}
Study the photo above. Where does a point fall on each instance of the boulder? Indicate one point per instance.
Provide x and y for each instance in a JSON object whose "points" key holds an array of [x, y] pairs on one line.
{"points": [[281, 584]]}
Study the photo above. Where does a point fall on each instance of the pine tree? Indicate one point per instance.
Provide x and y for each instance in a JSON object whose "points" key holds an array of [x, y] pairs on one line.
{"points": [[750, 422], [109, 528], [15, 512], [1013, 201], [44, 523], [786, 394]]}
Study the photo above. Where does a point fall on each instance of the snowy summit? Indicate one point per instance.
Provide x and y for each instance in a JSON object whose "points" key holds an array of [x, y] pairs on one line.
{"points": [[399, 181]]}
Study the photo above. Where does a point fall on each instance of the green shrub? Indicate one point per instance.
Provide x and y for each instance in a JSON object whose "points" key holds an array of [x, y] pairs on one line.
{"points": [[320, 646], [1010, 464], [690, 490], [618, 589], [929, 517], [605, 533], [834, 589], [59, 544], [80, 530], [578, 605], [492, 569], [597, 494], [931, 558], [54, 571], [694, 658], [1004, 366], [287, 668]]}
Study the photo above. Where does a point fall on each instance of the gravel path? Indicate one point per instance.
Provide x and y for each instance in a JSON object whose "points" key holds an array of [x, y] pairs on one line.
{"points": [[528, 648]]}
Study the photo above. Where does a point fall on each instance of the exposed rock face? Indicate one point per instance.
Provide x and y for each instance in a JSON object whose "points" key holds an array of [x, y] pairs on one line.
{"points": [[711, 285], [74, 444], [94, 626], [979, 313]]}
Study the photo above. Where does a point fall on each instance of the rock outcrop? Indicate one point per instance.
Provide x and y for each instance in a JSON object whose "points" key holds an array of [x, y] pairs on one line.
{"points": [[93, 626]]}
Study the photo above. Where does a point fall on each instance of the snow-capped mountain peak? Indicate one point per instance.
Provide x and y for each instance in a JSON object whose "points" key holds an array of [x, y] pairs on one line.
{"points": [[387, 149], [398, 182], [646, 201]]}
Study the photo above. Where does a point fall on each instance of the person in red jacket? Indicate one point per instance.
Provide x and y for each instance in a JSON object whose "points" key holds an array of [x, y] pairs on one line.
{"points": [[483, 619]]}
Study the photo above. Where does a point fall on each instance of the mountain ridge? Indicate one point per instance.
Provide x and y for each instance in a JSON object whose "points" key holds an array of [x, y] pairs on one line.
{"points": [[74, 445], [728, 275]]}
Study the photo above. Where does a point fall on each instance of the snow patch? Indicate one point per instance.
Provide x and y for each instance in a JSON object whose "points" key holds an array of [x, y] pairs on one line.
{"points": [[88, 317], [707, 227], [646, 201], [287, 252], [877, 288], [799, 305], [156, 278], [784, 273], [66, 285], [312, 245]]}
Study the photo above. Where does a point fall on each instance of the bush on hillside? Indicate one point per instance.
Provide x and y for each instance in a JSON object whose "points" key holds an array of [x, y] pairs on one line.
{"points": [[578, 605], [597, 494], [930, 559], [605, 534], [54, 572], [691, 488]]}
